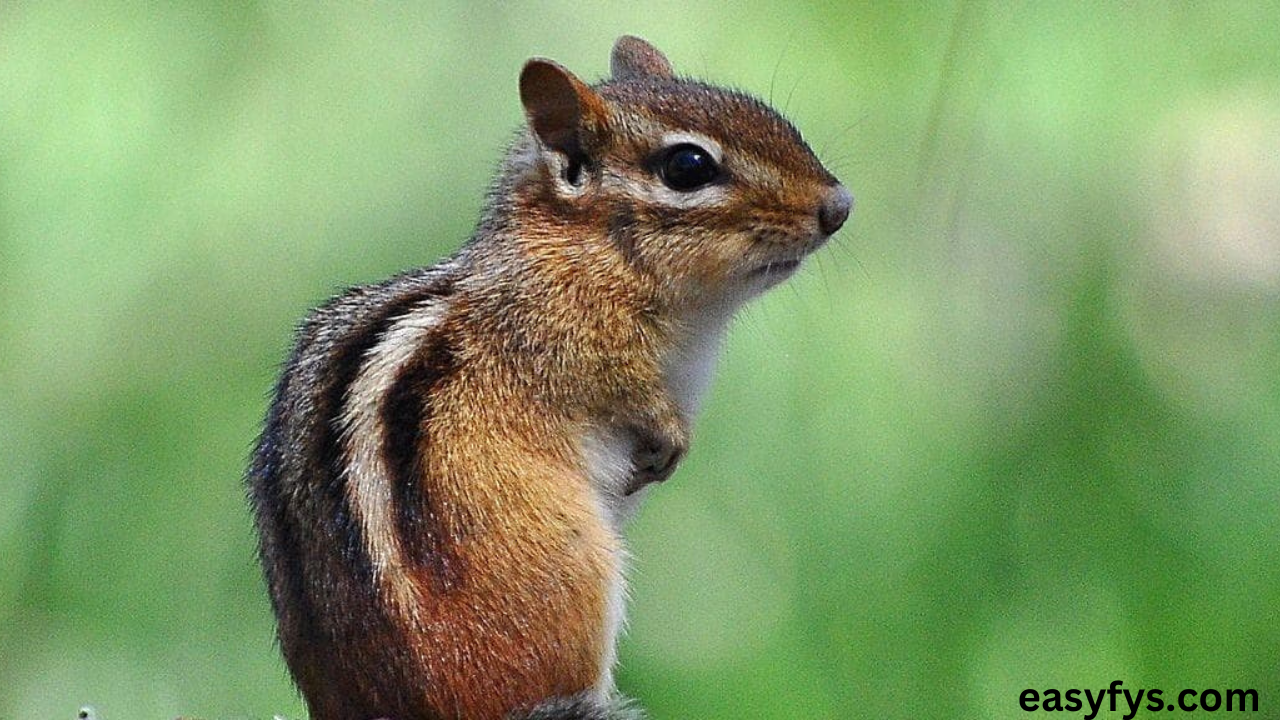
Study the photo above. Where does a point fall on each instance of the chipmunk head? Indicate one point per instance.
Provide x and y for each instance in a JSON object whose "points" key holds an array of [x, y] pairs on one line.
{"points": [[708, 192]]}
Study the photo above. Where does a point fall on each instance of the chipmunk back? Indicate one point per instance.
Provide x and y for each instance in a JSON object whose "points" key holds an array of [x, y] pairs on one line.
{"points": [[444, 473]]}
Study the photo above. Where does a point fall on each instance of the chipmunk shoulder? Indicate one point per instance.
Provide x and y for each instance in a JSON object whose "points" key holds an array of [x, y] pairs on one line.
{"points": [[450, 455]]}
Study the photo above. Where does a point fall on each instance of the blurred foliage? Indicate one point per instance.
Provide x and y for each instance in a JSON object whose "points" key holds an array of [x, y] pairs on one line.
{"points": [[1019, 427]]}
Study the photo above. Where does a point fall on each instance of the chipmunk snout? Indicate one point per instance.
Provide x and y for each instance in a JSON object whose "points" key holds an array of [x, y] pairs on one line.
{"points": [[835, 209]]}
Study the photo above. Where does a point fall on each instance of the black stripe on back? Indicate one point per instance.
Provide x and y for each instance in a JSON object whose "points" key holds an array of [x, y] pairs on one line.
{"points": [[406, 412], [277, 544], [297, 483], [345, 361]]}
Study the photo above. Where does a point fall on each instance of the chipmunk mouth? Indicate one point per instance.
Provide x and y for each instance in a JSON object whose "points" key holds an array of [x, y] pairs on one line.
{"points": [[792, 257]]}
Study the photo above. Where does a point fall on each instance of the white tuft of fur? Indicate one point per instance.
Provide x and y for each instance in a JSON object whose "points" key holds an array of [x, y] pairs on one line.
{"points": [[691, 364], [608, 457], [368, 480]]}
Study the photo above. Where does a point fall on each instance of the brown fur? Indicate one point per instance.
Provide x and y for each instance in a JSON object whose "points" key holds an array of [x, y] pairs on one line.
{"points": [[434, 543]]}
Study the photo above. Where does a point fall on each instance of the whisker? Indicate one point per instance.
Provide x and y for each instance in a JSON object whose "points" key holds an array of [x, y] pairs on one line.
{"points": [[843, 133], [778, 65], [787, 105]]}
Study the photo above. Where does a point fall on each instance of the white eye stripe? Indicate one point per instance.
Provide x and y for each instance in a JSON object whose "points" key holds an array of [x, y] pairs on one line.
{"points": [[702, 197], [650, 189], [684, 137]]}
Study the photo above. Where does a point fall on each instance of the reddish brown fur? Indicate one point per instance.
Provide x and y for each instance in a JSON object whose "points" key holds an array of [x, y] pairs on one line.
{"points": [[491, 591]]}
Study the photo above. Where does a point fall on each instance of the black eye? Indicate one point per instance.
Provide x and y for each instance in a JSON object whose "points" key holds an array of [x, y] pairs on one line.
{"points": [[687, 167]]}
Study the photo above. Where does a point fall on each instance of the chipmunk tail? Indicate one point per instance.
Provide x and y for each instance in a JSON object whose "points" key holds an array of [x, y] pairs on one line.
{"points": [[582, 707]]}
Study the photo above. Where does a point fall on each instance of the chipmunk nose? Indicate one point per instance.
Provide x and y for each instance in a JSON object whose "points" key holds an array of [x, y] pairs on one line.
{"points": [[835, 209]]}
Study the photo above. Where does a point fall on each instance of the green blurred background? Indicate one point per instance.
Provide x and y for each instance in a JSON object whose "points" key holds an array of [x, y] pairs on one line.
{"points": [[1019, 427]]}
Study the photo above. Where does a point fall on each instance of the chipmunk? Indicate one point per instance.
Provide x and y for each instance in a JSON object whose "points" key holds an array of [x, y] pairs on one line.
{"points": [[445, 470]]}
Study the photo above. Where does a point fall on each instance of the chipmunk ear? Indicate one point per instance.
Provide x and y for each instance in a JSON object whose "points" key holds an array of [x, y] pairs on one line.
{"points": [[634, 59], [566, 115]]}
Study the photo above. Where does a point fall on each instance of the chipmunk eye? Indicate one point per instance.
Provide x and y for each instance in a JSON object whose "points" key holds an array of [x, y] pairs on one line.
{"points": [[687, 167]]}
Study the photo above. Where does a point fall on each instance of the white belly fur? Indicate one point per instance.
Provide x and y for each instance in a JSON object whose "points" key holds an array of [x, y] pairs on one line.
{"points": [[608, 455]]}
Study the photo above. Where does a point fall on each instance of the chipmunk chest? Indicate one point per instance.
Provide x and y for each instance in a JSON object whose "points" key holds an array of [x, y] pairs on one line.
{"points": [[691, 363], [608, 455]]}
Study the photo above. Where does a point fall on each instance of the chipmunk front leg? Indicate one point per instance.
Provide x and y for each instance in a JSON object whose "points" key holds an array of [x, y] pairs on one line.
{"points": [[661, 441], [655, 458], [626, 452]]}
